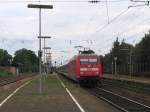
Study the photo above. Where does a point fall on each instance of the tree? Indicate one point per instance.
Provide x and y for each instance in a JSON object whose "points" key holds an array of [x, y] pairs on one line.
{"points": [[5, 58], [26, 60], [142, 50], [121, 50]]}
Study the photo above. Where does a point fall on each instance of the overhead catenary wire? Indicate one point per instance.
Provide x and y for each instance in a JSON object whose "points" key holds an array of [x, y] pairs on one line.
{"points": [[107, 11], [131, 28], [103, 27], [63, 1], [125, 31], [85, 1], [112, 20], [120, 14]]}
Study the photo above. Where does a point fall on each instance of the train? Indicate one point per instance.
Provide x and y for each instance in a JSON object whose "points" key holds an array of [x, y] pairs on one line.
{"points": [[83, 68]]}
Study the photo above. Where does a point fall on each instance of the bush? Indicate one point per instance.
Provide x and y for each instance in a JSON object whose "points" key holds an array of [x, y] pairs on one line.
{"points": [[4, 73]]}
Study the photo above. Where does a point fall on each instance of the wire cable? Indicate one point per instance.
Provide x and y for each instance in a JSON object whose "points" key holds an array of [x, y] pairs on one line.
{"points": [[116, 17], [107, 11], [62, 1], [103, 27]]}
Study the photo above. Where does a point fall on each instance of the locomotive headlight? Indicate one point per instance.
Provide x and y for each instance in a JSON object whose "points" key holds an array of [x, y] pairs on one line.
{"points": [[96, 72], [83, 69], [94, 69], [81, 72]]}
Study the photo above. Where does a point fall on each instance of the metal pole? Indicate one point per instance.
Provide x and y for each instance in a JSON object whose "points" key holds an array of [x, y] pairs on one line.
{"points": [[44, 57], [115, 58], [40, 51], [115, 67], [130, 62], [112, 68], [50, 62], [40, 89]]}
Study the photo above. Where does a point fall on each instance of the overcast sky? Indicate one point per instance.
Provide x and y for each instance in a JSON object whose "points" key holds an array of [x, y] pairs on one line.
{"points": [[71, 24]]}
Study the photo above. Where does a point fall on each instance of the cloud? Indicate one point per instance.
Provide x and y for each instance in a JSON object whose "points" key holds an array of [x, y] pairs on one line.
{"points": [[71, 24]]}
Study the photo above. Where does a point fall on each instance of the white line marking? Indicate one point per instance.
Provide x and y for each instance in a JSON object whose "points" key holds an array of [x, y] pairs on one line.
{"points": [[72, 97], [8, 97]]}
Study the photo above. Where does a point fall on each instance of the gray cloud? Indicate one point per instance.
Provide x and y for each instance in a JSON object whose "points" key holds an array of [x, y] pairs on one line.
{"points": [[77, 22]]}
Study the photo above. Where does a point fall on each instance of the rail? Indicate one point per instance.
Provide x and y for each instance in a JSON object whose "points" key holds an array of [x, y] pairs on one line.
{"points": [[123, 103], [9, 80]]}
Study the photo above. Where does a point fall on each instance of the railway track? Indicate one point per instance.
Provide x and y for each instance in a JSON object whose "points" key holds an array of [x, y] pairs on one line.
{"points": [[133, 86], [120, 102], [9, 80]]}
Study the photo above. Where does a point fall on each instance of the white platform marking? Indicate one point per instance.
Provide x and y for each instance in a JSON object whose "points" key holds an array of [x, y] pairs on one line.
{"points": [[72, 97], [8, 97]]}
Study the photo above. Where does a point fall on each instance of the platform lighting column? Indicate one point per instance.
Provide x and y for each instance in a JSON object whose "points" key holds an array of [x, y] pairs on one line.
{"points": [[55, 65], [38, 6], [131, 63], [112, 67], [115, 58]]}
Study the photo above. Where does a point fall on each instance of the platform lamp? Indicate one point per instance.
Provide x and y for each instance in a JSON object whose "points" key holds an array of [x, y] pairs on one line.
{"points": [[40, 7]]}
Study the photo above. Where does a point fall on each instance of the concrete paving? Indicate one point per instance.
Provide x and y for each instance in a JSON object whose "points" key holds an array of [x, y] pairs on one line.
{"points": [[54, 98], [143, 80]]}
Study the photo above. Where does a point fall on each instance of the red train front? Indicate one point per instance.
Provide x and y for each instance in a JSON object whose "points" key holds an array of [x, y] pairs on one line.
{"points": [[85, 68]]}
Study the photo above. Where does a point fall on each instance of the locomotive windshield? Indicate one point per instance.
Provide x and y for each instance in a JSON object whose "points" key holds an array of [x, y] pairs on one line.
{"points": [[88, 60]]}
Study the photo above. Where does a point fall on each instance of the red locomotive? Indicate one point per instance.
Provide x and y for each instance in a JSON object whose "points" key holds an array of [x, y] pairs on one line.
{"points": [[84, 68]]}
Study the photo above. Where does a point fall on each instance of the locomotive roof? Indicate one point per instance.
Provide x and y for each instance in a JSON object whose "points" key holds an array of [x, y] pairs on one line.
{"points": [[83, 55], [87, 55]]}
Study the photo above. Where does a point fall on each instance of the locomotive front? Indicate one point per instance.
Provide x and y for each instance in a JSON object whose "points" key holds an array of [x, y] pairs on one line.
{"points": [[89, 70]]}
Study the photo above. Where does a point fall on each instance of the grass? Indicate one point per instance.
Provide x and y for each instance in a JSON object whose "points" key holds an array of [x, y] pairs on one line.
{"points": [[4, 73]]}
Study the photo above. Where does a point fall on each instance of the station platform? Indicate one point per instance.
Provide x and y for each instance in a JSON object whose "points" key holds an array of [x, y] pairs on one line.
{"points": [[142, 80], [54, 97]]}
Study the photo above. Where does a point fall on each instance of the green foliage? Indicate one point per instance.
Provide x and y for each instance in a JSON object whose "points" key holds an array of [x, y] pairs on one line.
{"points": [[4, 73], [26, 60], [5, 58], [142, 50], [120, 50], [139, 55]]}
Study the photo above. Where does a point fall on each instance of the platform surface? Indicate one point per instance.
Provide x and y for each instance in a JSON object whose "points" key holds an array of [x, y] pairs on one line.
{"points": [[144, 80], [54, 98]]}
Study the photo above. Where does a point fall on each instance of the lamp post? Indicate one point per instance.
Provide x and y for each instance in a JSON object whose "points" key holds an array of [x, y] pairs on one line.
{"points": [[40, 7], [130, 60], [112, 67], [115, 58]]}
